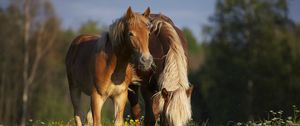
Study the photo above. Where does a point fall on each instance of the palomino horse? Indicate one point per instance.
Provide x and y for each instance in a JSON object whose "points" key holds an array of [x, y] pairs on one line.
{"points": [[101, 66], [169, 49]]}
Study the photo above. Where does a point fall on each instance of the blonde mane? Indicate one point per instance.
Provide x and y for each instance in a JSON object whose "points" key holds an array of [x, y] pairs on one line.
{"points": [[117, 28], [116, 31], [174, 76]]}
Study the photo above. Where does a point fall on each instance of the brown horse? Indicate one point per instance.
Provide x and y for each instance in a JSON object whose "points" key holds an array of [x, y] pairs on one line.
{"points": [[101, 67], [169, 49]]}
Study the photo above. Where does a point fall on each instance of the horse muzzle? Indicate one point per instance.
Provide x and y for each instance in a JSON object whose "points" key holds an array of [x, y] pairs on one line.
{"points": [[145, 62]]}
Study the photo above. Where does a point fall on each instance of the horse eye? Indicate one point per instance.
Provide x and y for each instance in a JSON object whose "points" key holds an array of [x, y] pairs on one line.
{"points": [[130, 34]]}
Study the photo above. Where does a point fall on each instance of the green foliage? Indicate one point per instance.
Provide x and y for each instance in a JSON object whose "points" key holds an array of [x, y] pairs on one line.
{"points": [[89, 27], [252, 59], [49, 96], [195, 50], [192, 42]]}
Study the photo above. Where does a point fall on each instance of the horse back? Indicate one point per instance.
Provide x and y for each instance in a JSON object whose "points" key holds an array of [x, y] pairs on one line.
{"points": [[83, 43]]}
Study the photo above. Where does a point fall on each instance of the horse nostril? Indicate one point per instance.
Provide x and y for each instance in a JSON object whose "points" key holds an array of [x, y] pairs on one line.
{"points": [[146, 60], [143, 59]]}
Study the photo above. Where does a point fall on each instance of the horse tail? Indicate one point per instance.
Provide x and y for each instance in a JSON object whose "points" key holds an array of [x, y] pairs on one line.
{"points": [[174, 76]]}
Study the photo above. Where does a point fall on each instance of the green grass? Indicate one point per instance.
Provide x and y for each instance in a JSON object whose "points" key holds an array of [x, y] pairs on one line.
{"points": [[275, 118]]}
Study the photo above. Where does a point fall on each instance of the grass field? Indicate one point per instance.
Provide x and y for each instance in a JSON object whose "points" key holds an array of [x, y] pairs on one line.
{"points": [[275, 118]]}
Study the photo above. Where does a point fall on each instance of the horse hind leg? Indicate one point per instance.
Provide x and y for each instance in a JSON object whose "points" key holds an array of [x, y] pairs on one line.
{"points": [[76, 98]]}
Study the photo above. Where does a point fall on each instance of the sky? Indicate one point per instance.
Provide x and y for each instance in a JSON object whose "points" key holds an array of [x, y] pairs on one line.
{"points": [[190, 13]]}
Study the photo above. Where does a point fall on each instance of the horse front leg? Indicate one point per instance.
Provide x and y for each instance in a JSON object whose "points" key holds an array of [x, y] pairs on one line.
{"points": [[97, 102], [89, 118], [120, 103], [151, 107]]}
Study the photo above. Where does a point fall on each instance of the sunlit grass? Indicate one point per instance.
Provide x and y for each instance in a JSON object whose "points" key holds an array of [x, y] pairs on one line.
{"points": [[50, 123], [275, 118]]}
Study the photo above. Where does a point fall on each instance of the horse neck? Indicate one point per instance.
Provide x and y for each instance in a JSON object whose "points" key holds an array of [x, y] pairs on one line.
{"points": [[164, 43], [121, 52], [175, 72], [122, 61]]}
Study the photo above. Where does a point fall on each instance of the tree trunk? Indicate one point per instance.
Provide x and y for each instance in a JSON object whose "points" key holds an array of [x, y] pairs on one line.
{"points": [[2, 93], [26, 63], [25, 103]]}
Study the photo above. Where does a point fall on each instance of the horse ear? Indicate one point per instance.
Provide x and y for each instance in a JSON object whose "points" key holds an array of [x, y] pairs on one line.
{"points": [[189, 91], [129, 12], [147, 12], [164, 93]]}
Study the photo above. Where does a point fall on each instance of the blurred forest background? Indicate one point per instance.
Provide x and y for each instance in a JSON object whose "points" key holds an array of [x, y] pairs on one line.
{"points": [[247, 64]]}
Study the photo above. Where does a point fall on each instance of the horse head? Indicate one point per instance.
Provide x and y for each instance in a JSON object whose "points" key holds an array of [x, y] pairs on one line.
{"points": [[137, 32], [166, 119]]}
